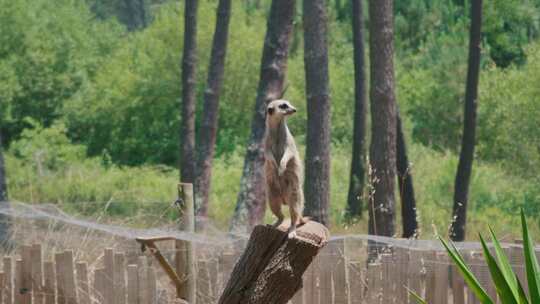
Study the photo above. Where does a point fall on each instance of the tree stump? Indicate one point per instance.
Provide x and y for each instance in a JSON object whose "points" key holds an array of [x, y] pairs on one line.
{"points": [[271, 267]]}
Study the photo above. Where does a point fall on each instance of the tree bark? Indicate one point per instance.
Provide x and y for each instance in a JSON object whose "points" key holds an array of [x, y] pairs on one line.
{"points": [[250, 206], [4, 219], [133, 14], [208, 132], [358, 163], [189, 81], [466, 157], [317, 185], [383, 122], [406, 187], [271, 267]]}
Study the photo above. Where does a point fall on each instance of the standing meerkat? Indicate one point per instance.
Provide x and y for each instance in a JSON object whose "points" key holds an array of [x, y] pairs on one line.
{"points": [[283, 167]]}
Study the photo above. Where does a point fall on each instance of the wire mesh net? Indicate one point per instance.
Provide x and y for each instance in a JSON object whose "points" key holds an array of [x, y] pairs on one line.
{"points": [[350, 269]]}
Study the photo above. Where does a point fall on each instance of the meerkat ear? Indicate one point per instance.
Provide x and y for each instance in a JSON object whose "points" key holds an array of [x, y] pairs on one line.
{"points": [[270, 111]]}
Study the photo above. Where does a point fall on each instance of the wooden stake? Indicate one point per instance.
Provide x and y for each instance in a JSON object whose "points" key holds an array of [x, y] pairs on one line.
{"points": [[152, 286], [132, 284], [60, 285], [99, 285], [203, 282], [458, 286], [82, 283], [18, 292], [429, 262], [185, 251], [37, 273], [119, 279], [108, 264], [214, 270], [143, 281], [70, 290], [26, 287], [339, 272], [311, 282], [401, 260], [50, 291], [8, 271], [374, 278], [388, 277], [441, 278], [325, 275], [414, 269], [2, 285]]}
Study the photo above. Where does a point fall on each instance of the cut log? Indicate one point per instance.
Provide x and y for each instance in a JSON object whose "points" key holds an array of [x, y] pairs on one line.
{"points": [[271, 267]]}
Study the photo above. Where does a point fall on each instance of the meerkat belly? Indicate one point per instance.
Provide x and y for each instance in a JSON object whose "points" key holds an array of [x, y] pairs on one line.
{"points": [[272, 179], [290, 179]]}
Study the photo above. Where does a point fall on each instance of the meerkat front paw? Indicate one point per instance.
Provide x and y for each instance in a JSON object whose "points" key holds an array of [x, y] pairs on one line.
{"points": [[292, 232]]}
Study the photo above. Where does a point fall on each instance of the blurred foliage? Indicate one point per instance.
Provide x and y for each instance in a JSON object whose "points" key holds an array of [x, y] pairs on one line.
{"points": [[145, 192], [47, 148], [48, 51], [80, 93]]}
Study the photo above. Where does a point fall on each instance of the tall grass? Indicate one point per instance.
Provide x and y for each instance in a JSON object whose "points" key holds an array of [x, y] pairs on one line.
{"points": [[88, 187]]}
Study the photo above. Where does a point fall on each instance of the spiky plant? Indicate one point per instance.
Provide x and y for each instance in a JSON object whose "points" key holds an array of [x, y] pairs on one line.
{"points": [[505, 280]]}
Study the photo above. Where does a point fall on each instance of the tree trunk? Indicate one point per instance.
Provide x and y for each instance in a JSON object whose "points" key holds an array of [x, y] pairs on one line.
{"points": [[358, 163], [406, 188], [383, 122], [463, 175], [271, 268], [133, 14], [4, 219], [189, 81], [208, 132], [317, 185], [250, 206]]}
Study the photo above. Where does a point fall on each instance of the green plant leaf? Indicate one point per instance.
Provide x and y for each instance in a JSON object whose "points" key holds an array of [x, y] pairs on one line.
{"points": [[502, 286], [416, 296], [522, 294], [467, 274], [531, 264], [506, 268]]}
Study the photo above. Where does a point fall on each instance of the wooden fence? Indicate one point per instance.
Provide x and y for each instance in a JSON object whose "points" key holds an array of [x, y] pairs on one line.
{"points": [[343, 273], [28, 279]]}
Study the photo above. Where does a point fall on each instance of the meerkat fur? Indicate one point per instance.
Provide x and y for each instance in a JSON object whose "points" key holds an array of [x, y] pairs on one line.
{"points": [[283, 167]]}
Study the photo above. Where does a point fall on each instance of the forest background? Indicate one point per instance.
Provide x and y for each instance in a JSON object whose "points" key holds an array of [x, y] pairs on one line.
{"points": [[90, 100]]}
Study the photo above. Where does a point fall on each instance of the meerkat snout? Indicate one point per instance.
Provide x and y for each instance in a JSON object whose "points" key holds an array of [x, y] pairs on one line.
{"points": [[280, 108]]}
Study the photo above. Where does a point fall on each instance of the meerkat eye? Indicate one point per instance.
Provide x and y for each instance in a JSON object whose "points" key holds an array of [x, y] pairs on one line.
{"points": [[283, 106], [270, 111]]}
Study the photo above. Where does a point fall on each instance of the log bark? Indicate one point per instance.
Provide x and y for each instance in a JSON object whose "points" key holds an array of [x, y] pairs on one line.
{"points": [[251, 202], [383, 117], [208, 131], [466, 156], [189, 82], [317, 183], [271, 267]]}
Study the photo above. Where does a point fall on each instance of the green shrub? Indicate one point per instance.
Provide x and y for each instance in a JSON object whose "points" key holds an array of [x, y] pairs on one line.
{"points": [[94, 186]]}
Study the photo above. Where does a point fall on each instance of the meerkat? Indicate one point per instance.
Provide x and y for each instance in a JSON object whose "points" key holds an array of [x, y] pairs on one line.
{"points": [[283, 167]]}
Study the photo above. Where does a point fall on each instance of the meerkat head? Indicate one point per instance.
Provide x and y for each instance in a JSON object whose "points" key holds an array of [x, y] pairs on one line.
{"points": [[277, 110]]}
